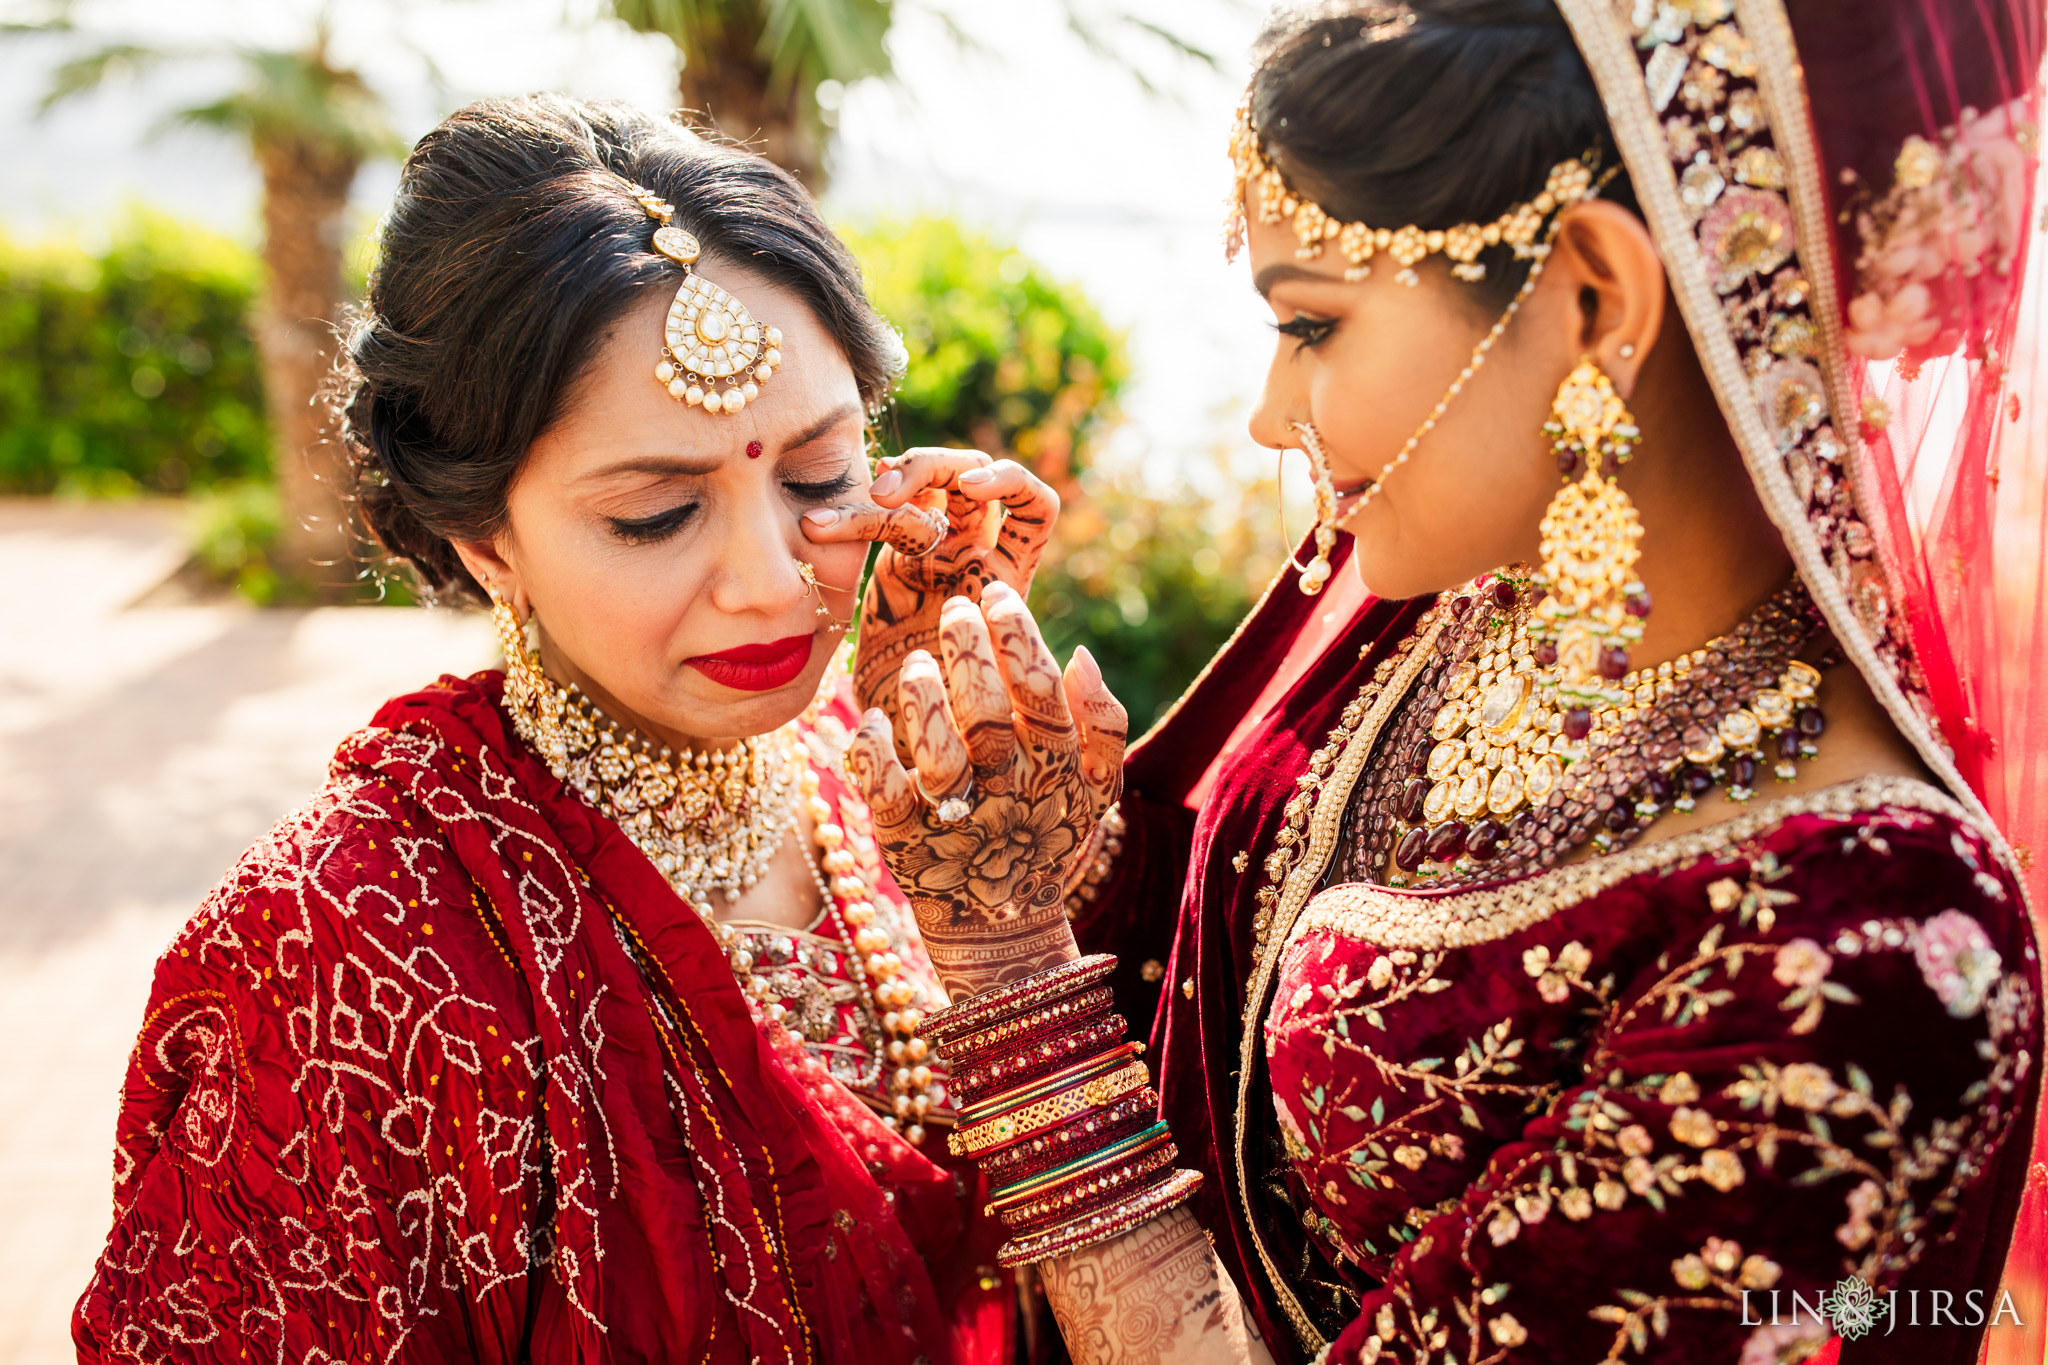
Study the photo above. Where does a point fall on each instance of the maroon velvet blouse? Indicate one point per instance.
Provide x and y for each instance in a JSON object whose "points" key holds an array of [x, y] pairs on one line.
{"points": [[1575, 1116]]}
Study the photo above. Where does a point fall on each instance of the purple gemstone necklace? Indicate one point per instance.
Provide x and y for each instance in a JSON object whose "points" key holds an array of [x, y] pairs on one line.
{"points": [[1488, 772]]}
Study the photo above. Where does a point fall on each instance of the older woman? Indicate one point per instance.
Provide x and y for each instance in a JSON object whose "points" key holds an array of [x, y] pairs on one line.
{"points": [[575, 1017], [1603, 933]]}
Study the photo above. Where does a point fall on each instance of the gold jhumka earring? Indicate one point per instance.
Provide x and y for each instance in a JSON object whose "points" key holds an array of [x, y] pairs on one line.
{"points": [[809, 573], [1593, 607], [711, 337], [527, 690]]}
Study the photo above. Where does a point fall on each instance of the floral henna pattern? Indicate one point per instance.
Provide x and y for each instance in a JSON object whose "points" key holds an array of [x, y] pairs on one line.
{"points": [[1000, 541], [988, 890], [1153, 1295]]}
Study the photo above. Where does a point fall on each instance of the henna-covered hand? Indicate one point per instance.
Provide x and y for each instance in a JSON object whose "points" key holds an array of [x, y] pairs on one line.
{"points": [[1040, 756], [1154, 1295], [999, 514]]}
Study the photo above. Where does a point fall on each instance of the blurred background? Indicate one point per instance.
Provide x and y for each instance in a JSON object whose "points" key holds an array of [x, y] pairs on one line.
{"points": [[188, 200]]}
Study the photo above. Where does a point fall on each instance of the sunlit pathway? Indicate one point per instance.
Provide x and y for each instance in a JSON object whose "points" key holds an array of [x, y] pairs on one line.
{"points": [[141, 749]]}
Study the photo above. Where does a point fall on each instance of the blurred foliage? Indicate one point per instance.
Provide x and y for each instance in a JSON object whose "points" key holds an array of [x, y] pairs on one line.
{"points": [[1152, 585], [133, 369], [233, 529], [1003, 357]]}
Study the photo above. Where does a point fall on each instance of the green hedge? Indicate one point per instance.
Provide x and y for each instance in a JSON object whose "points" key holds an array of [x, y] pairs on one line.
{"points": [[132, 369], [1003, 357]]}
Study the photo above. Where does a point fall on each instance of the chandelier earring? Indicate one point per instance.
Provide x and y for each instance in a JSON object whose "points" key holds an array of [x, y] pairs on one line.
{"points": [[806, 571], [1593, 608], [1316, 572], [527, 690]]}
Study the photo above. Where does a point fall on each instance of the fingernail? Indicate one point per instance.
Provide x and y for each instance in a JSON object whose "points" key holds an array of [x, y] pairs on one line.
{"points": [[822, 516], [888, 483], [1091, 672], [977, 475], [875, 716], [997, 589]]}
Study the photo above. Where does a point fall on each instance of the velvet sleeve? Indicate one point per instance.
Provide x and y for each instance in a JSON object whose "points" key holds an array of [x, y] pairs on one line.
{"points": [[275, 1192], [1823, 1074], [1131, 909]]}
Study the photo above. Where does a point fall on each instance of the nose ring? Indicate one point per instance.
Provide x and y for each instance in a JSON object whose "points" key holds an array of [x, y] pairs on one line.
{"points": [[809, 574]]}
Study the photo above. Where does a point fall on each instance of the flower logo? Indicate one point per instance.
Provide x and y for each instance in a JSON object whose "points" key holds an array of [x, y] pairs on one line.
{"points": [[1852, 1307]]}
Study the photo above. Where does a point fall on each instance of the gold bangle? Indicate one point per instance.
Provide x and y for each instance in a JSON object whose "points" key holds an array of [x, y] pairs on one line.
{"points": [[1004, 1129]]}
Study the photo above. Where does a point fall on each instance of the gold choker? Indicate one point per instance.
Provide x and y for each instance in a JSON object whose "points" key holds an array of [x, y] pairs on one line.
{"points": [[709, 821]]}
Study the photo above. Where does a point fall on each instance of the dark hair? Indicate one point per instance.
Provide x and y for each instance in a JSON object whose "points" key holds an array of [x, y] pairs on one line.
{"points": [[1435, 113], [512, 244]]}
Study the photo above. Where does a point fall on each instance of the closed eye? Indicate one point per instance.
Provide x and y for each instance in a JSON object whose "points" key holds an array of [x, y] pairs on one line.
{"points": [[1306, 331], [822, 491], [651, 530]]}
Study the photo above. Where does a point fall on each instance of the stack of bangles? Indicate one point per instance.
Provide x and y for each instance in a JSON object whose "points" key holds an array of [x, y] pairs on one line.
{"points": [[1060, 1112]]}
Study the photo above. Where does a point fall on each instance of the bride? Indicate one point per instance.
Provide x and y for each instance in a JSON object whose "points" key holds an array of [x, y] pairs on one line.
{"points": [[576, 1017], [1602, 929]]}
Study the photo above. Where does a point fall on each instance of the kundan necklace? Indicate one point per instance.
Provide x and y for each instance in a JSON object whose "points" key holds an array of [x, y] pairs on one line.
{"points": [[1490, 772], [710, 821]]}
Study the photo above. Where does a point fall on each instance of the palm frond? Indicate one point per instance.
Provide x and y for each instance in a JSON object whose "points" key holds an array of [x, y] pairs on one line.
{"points": [[808, 41], [89, 72], [1102, 36], [298, 97]]}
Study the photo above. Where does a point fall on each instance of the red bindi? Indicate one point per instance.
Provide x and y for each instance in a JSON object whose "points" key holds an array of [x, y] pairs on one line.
{"points": [[753, 450]]}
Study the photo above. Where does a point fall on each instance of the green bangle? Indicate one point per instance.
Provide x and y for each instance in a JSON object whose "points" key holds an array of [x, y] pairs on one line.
{"points": [[1024, 1189]]}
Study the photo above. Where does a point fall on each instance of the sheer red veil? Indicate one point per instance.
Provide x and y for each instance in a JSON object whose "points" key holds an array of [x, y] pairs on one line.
{"points": [[1846, 196]]}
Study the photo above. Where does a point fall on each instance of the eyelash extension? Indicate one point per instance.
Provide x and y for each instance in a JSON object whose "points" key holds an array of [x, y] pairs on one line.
{"points": [[1307, 332], [659, 527], [823, 491]]}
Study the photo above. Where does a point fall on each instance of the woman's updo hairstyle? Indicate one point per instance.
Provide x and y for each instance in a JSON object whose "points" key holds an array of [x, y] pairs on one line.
{"points": [[510, 248], [1432, 113]]}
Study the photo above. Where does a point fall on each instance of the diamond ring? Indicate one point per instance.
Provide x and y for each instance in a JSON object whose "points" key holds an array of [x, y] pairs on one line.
{"points": [[947, 810]]}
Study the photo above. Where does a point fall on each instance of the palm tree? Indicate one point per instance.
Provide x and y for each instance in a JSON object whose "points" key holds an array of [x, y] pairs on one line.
{"points": [[753, 67], [309, 125]]}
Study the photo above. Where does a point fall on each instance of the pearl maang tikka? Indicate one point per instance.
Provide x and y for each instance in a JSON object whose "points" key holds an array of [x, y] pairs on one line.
{"points": [[710, 337]]}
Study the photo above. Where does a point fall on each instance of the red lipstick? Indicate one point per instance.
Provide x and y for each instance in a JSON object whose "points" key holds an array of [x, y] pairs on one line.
{"points": [[757, 668]]}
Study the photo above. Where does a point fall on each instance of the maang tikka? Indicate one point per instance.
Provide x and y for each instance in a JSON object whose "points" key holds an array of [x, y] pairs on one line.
{"points": [[1593, 608], [710, 336]]}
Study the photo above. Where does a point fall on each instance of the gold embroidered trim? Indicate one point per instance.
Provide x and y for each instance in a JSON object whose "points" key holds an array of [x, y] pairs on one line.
{"points": [[1321, 804], [1601, 32], [1431, 923]]}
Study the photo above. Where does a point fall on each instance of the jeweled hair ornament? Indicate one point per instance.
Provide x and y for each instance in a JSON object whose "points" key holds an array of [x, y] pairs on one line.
{"points": [[1521, 227], [710, 337]]}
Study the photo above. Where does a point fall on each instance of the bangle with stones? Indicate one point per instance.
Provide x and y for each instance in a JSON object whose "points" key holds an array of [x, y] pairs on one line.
{"points": [[1089, 1190], [1016, 1124], [1043, 1183], [1103, 1225], [1007, 1033], [1104, 844], [1027, 996], [1035, 1156], [1038, 1087], [1046, 1059]]}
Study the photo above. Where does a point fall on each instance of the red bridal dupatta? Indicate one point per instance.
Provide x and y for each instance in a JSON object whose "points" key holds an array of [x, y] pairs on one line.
{"points": [[444, 1070]]}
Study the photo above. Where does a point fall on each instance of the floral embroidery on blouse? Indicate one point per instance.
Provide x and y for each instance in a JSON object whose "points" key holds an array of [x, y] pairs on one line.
{"points": [[1765, 1068]]}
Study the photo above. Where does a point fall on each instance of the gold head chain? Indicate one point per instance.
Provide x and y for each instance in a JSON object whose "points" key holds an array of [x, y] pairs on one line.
{"points": [[1528, 228], [1521, 227]]}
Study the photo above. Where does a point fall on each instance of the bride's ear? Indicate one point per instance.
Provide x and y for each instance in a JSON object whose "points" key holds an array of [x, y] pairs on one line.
{"points": [[488, 565], [1605, 255]]}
